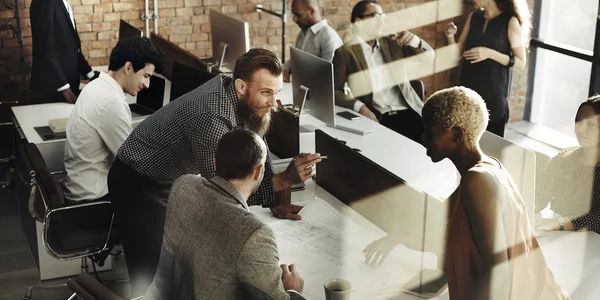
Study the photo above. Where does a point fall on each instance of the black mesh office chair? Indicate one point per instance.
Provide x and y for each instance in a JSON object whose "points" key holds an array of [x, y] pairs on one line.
{"points": [[66, 236]]}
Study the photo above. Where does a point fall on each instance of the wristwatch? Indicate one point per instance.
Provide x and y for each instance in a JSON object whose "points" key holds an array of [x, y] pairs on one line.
{"points": [[561, 221]]}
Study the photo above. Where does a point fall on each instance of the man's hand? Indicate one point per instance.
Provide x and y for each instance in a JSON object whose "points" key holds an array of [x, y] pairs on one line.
{"points": [[301, 168], [287, 211], [286, 76], [96, 75], [404, 37], [365, 111], [69, 96], [291, 278], [378, 250]]}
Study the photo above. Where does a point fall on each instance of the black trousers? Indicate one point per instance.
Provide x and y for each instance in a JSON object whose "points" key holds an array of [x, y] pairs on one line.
{"points": [[497, 127], [405, 122], [140, 205]]}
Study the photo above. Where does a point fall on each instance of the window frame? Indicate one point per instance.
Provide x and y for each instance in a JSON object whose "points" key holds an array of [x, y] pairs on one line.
{"points": [[539, 43]]}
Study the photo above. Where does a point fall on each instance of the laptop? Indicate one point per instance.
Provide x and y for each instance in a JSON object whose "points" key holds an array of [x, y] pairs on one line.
{"points": [[149, 100]]}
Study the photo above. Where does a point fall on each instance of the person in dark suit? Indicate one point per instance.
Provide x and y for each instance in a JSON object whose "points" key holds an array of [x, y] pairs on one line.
{"points": [[57, 58]]}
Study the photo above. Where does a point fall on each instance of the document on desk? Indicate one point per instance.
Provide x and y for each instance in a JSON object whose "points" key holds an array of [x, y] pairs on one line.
{"points": [[327, 244]]}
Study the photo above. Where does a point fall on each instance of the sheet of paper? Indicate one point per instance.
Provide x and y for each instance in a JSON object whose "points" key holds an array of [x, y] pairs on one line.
{"points": [[326, 244]]}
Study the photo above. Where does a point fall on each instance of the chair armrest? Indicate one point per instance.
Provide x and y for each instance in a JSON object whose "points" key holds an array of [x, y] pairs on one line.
{"points": [[95, 288], [53, 251]]}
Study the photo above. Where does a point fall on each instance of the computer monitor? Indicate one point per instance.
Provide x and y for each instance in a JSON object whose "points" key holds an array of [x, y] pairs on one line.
{"points": [[127, 30], [379, 195], [173, 53], [230, 40], [187, 78], [315, 74]]}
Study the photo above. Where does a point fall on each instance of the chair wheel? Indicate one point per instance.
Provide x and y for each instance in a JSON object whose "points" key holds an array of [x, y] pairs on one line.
{"points": [[26, 298], [118, 255]]}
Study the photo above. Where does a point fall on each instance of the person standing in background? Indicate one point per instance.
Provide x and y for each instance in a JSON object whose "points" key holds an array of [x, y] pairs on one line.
{"points": [[493, 41], [316, 36], [57, 58]]}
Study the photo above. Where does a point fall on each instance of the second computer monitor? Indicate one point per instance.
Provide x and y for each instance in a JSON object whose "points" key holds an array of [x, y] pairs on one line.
{"points": [[127, 30], [315, 74], [229, 32]]}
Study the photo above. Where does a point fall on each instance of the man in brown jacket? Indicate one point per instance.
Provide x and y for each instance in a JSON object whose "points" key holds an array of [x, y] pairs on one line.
{"points": [[213, 246], [370, 72]]}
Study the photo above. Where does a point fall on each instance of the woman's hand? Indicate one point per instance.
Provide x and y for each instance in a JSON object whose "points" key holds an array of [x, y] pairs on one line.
{"points": [[478, 54], [450, 29], [378, 250], [547, 225]]}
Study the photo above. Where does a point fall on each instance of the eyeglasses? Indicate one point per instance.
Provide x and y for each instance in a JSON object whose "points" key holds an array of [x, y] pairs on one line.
{"points": [[374, 15]]}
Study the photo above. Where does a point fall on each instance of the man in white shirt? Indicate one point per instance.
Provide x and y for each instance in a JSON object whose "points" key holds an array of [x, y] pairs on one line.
{"points": [[369, 75], [316, 36], [101, 119]]}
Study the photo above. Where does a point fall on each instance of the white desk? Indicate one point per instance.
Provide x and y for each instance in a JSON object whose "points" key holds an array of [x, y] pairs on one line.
{"points": [[573, 257]]}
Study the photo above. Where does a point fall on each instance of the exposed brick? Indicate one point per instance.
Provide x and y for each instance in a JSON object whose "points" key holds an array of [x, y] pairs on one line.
{"points": [[88, 18], [193, 3], [180, 12], [167, 12], [86, 27], [10, 43], [85, 2], [106, 35], [113, 16], [97, 53], [128, 6], [88, 36], [103, 8], [83, 9], [104, 44], [101, 26]]}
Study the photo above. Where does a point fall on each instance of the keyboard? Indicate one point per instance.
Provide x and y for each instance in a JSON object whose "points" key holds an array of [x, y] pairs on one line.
{"points": [[138, 111]]}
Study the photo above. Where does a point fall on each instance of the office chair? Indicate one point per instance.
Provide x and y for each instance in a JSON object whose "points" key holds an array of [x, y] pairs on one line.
{"points": [[64, 236], [419, 88]]}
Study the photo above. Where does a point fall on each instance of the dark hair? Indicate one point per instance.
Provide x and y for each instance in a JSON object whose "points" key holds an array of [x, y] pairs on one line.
{"points": [[238, 153], [359, 9], [137, 50], [254, 60], [594, 102], [520, 10]]}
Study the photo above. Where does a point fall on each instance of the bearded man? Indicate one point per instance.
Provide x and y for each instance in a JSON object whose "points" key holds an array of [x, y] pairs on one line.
{"points": [[181, 138]]}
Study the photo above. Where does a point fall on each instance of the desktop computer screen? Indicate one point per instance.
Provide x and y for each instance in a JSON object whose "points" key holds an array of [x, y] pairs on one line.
{"points": [[315, 74], [230, 40], [174, 53], [186, 79], [127, 30]]}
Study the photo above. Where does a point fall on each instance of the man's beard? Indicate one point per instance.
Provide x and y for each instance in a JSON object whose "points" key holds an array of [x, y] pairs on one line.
{"points": [[260, 125]]}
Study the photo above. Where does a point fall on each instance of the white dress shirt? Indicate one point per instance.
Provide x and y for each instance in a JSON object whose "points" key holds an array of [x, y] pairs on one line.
{"points": [[386, 95], [70, 11], [319, 40], [99, 123]]}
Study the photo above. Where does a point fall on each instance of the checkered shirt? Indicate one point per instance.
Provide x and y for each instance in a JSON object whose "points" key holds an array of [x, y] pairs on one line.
{"points": [[181, 138]]}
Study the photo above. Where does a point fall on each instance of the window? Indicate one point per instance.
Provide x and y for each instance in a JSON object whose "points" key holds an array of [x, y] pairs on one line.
{"points": [[563, 63]]}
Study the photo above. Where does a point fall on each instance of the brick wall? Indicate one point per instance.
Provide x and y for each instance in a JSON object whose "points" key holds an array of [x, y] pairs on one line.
{"points": [[185, 22]]}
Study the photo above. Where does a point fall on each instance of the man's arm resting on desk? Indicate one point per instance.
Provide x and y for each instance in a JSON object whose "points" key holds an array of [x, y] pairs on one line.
{"points": [[259, 271]]}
